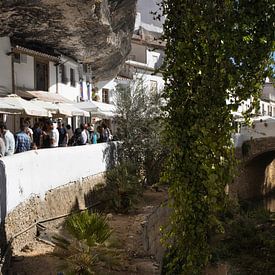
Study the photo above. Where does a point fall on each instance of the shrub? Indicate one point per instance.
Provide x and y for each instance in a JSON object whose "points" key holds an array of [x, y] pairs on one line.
{"points": [[87, 248]]}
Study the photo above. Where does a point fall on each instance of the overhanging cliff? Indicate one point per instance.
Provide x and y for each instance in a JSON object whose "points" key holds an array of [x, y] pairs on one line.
{"points": [[92, 31]]}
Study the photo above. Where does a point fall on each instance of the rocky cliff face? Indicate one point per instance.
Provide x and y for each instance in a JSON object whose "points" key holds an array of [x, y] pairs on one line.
{"points": [[92, 31]]}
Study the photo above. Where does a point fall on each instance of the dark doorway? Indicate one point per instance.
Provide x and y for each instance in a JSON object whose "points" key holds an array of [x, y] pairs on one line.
{"points": [[41, 75]]}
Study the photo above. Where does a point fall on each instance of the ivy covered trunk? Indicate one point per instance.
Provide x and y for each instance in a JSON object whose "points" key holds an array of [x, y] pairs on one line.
{"points": [[218, 54]]}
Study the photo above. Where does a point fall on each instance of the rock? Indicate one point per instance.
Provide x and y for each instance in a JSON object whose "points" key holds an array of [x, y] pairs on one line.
{"points": [[92, 31], [109, 216]]}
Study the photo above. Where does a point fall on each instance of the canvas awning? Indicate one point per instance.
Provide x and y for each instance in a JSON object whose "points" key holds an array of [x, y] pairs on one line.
{"points": [[43, 96], [62, 109], [70, 110], [96, 108], [51, 107], [25, 106], [6, 108]]}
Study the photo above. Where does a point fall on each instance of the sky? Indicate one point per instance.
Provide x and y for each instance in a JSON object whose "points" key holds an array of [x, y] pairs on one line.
{"points": [[144, 7]]}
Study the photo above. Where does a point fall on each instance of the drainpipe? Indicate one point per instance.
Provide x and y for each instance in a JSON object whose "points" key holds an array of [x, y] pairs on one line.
{"points": [[56, 77], [12, 73]]}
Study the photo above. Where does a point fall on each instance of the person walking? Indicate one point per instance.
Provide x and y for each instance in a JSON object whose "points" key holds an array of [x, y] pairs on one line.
{"points": [[63, 135], [2, 147], [22, 139], [8, 139], [37, 134], [54, 135]]}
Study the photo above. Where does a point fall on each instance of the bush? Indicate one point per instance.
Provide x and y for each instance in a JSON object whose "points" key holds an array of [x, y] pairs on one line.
{"points": [[86, 248], [123, 187]]}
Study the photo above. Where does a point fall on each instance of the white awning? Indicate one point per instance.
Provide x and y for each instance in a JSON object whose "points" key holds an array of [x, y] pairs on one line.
{"points": [[27, 107], [62, 109], [70, 110], [43, 96], [51, 107], [6, 108], [96, 108]]}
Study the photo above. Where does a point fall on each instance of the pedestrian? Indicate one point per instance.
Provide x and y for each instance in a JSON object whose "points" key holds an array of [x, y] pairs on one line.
{"points": [[29, 129], [84, 133], [37, 134], [99, 134], [8, 139], [46, 142], [2, 147], [106, 133], [54, 135], [77, 138], [70, 134], [22, 139], [63, 135]]}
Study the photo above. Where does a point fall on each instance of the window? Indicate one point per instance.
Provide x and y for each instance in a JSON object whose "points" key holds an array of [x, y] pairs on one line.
{"points": [[16, 58], [105, 95], [263, 111], [20, 58], [23, 58], [41, 75], [132, 57], [153, 87], [155, 60], [63, 72], [87, 68], [72, 77]]}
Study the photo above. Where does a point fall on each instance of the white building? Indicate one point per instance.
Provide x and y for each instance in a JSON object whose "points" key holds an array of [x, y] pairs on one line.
{"points": [[50, 77], [147, 55]]}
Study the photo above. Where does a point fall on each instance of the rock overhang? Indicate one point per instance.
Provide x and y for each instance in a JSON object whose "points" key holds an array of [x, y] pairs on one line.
{"points": [[97, 32]]}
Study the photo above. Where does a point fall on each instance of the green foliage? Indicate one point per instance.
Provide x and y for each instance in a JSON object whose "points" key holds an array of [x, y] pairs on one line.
{"points": [[87, 247], [91, 227], [249, 243], [123, 187], [216, 51], [139, 125]]}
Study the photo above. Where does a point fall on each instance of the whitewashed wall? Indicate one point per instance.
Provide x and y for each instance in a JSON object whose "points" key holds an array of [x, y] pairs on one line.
{"points": [[24, 73], [73, 93], [261, 129], [5, 66], [36, 172], [108, 84], [53, 82], [147, 78]]}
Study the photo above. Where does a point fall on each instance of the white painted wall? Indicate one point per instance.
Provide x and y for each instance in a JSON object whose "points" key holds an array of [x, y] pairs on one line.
{"points": [[144, 7], [52, 78], [66, 90], [5, 66], [24, 73], [36, 172], [147, 78], [261, 129], [73, 93], [110, 85]]}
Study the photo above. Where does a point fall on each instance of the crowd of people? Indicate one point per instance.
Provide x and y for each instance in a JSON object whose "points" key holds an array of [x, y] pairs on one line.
{"points": [[50, 134]]}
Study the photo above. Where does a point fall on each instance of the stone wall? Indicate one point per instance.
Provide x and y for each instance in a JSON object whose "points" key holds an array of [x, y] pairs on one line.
{"points": [[57, 202], [256, 169], [152, 234]]}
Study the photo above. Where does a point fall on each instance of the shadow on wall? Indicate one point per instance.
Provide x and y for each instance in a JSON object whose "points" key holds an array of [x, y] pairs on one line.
{"points": [[5, 252], [259, 176], [111, 154]]}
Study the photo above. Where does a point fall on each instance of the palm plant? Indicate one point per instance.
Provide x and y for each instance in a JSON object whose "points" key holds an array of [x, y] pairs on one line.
{"points": [[86, 246]]}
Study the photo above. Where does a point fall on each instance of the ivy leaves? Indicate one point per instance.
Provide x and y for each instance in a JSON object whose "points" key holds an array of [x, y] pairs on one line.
{"points": [[217, 51]]}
